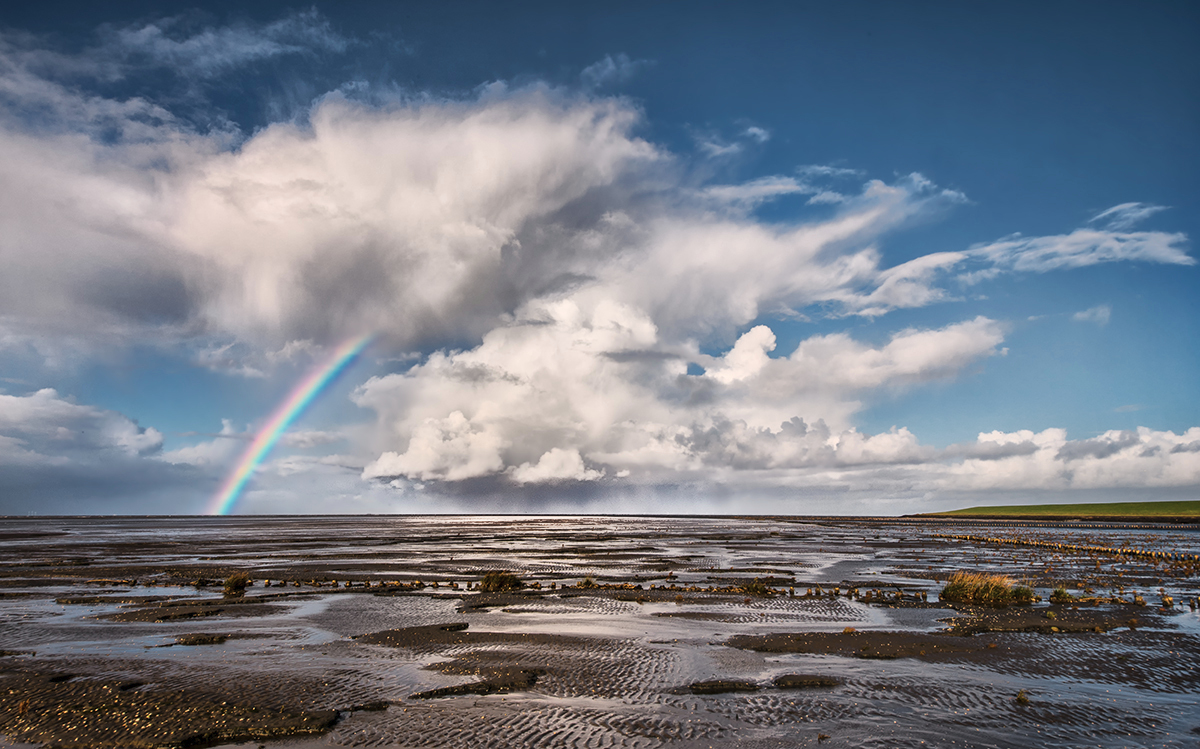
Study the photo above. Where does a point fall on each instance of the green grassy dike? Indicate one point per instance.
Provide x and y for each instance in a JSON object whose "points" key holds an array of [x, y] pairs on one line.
{"points": [[1159, 510]]}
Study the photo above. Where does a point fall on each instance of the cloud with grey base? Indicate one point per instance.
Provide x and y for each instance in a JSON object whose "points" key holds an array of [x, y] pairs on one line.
{"points": [[433, 219], [556, 272]]}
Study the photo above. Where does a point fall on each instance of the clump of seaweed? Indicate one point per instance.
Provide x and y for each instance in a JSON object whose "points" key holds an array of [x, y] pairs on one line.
{"points": [[985, 590], [236, 584], [500, 580], [757, 588]]}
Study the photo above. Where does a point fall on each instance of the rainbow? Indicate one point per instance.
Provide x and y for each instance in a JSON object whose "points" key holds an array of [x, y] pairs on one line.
{"points": [[288, 411]]}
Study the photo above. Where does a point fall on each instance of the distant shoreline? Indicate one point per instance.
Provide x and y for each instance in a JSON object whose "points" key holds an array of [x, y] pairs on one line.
{"points": [[1186, 512]]}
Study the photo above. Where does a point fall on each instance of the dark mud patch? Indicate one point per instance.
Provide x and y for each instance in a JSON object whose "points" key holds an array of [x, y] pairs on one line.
{"points": [[76, 713], [172, 611], [718, 686], [804, 681], [107, 600], [702, 616], [210, 638], [482, 601], [498, 681], [931, 647], [1053, 619], [201, 638]]}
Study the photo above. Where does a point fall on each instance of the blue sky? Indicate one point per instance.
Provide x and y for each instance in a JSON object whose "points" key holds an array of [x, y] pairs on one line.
{"points": [[621, 258]]}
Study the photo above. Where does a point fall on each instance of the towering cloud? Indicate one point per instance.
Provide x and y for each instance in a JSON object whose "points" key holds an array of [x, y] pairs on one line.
{"points": [[579, 305]]}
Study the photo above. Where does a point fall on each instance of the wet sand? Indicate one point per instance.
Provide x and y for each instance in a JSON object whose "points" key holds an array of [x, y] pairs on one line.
{"points": [[639, 632]]}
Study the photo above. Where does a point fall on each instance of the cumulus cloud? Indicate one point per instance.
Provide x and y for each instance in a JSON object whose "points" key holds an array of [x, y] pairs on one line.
{"points": [[1101, 447], [571, 386], [555, 465], [434, 220], [61, 456], [1143, 459], [57, 455], [45, 427]]}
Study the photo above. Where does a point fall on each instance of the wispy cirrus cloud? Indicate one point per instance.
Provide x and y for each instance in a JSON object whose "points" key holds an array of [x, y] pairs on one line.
{"points": [[1126, 215], [1081, 248], [185, 46], [611, 71]]}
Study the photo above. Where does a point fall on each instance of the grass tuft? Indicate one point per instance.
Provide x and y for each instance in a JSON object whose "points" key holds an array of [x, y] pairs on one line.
{"points": [[500, 580], [985, 590], [1060, 595], [757, 588], [1022, 596], [236, 584]]}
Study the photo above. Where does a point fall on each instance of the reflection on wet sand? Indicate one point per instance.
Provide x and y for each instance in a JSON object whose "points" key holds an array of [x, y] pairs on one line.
{"points": [[641, 632]]}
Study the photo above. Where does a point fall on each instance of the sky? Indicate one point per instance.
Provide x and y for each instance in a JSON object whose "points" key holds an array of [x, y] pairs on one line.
{"points": [[781, 258]]}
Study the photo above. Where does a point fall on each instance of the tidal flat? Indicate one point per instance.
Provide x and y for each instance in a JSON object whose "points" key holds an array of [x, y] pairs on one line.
{"points": [[623, 632]]}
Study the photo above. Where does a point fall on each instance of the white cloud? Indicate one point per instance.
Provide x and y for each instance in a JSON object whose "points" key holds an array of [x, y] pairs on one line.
{"points": [[1083, 247], [1137, 459], [1126, 215], [557, 272], [432, 220], [715, 147], [813, 181], [211, 51], [747, 358], [44, 427], [218, 451], [62, 457], [179, 45], [227, 358], [814, 171], [449, 449], [555, 465], [756, 191], [611, 71], [308, 438], [601, 385], [1100, 314]]}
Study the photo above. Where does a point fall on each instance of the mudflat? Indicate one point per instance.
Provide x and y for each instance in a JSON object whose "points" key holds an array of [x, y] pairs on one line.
{"points": [[639, 632]]}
